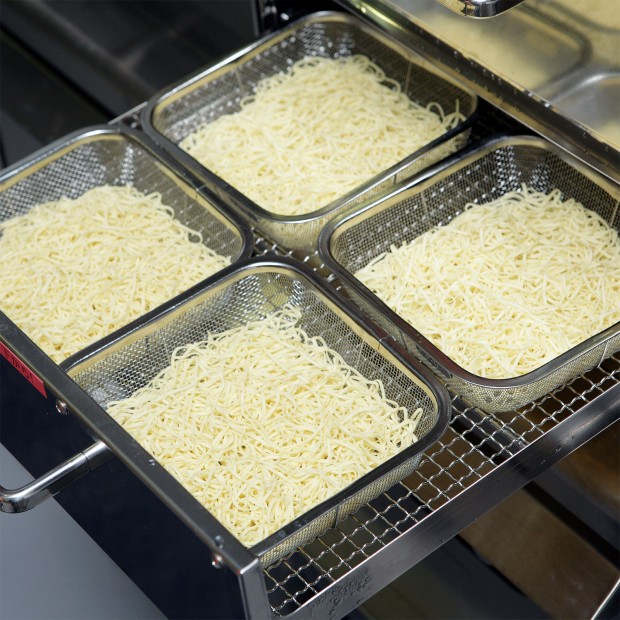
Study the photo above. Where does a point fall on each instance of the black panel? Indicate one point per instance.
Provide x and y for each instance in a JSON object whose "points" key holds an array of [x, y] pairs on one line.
{"points": [[120, 52], [37, 106], [158, 552]]}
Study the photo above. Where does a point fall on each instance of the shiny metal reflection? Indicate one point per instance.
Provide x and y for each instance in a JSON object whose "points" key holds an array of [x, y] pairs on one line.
{"points": [[479, 8]]}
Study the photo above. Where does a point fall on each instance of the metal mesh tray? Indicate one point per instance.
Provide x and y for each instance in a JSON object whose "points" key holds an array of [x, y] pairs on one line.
{"points": [[171, 116], [106, 155], [434, 198], [248, 292]]}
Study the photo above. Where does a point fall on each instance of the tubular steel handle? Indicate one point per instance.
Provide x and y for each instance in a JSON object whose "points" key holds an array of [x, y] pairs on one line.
{"points": [[33, 493], [479, 8]]}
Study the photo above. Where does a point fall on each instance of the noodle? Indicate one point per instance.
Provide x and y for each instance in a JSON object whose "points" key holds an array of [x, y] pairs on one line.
{"points": [[307, 137], [507, 285], [262, 422], [73, 271]]}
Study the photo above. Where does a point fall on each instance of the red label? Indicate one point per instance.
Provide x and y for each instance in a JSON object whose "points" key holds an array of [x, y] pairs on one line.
{"points": [[12, 359]]}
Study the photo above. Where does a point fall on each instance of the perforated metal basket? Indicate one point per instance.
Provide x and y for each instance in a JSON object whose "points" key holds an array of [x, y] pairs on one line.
{"points": [[170, 117], [435, 198], [249, 292], [106, 155]]}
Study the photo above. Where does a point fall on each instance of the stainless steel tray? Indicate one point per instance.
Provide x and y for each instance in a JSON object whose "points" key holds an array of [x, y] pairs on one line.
{"points": [[217, 91], [249, 292], [558, 77], [476, 463], [485, 173], [116, 155]]}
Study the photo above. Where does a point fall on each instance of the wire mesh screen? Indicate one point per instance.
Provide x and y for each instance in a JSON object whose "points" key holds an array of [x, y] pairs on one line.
{"points": [[111, 158], [493, 171], [221, 90], [470, 450], [251, 294]]}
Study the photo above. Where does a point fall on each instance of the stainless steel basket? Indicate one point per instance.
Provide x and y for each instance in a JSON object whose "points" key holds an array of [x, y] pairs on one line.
{"points": [[248, 292], [170, 117], [434, 198], [106, 155]]}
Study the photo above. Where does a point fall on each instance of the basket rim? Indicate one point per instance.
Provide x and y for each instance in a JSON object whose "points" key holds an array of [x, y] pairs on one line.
{"points": [[418, 184], [127, 449], [187, 183], [231, 62]]}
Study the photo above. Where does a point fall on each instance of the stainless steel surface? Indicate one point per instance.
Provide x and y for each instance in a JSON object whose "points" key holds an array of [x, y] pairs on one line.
{"points": [[478, 462], [593, 99], [171, 116], [248, 294], [32, 494], [551, 64], [480, 8], [434, 198], [206, 532]]}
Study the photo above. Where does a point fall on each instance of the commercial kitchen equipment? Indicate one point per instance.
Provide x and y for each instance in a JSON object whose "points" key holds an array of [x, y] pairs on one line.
{"points": [[542, 68]]}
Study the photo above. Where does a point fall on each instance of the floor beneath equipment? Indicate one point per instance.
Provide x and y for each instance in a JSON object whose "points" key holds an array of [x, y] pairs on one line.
{"points": [[451, 583], [67, 576]]}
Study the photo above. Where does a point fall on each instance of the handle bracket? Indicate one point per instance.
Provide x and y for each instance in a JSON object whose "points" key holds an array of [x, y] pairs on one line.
{"points": [[33, 493]]}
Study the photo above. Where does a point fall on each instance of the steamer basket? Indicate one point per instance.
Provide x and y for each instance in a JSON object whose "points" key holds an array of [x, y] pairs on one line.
{"points": [[105, 155], [171, 116], [249, 292], [435, 198]]}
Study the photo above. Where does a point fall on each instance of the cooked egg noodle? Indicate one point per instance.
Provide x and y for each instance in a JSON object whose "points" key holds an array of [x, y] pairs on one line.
{"points": [[508, 285], [308, 136], [75, 270], [263, 422]]}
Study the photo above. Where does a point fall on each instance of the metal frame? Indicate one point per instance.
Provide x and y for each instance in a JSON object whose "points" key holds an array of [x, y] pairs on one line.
{"points": [[27, 358], [478, 462], [414, 520], [480, 8]]}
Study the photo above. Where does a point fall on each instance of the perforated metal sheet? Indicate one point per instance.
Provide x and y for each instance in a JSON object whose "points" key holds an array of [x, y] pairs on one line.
{"points": [[218, 91], [491, 171], [250, 293]]}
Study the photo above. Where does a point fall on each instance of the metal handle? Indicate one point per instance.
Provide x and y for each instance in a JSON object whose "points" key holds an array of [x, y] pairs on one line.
{"points": [[33, 493], [479, 8]]}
